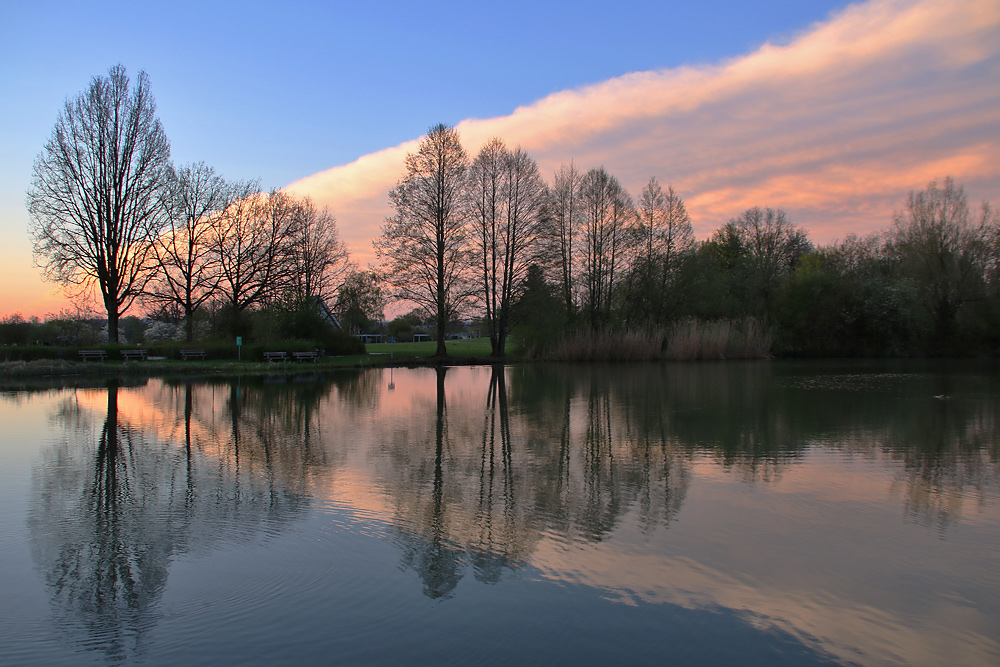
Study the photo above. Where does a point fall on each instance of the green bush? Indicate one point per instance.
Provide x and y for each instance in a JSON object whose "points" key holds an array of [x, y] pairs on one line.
{"points": [[539, 316], [401, 329]]}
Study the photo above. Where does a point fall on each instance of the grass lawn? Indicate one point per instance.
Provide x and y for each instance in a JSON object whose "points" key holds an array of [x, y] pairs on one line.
{"points": [[475, 347], [378, 354]]}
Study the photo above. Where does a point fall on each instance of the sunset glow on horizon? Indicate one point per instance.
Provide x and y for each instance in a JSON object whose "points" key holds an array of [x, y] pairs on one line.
{"points": [[834, 123]]}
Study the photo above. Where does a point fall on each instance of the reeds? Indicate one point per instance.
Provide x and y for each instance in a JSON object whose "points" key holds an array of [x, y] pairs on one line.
{"points": [[688, 340], [692, 339], [608, 345]]}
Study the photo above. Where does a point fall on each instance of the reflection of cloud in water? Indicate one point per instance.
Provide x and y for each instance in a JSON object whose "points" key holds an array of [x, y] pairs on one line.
{"points": [[568, 469], [835, 570], [832, 623]]}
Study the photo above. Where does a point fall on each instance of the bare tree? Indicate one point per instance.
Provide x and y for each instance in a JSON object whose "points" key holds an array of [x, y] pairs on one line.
{"points": [[96, 194], [946, 249], [761, 247], [253, 243], [321, 258], [607, 209], [663, 224], [561, 230], [423, 247], [360, 302], [188, 273], [661, 235], [506, 200]]}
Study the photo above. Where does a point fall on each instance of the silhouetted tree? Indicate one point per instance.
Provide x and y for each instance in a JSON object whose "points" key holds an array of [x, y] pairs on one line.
{"points": [[562, 231], [661, 236], [506, 197], [253, 242], [320, 256], [97, 190], [607, 209], [424, 246], [946, 250], [360, 302], [540, 314], [759, 249], [189, 270]]}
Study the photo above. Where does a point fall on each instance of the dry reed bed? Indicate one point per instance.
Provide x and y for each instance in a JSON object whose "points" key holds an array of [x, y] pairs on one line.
{"points": [[688, 340]]}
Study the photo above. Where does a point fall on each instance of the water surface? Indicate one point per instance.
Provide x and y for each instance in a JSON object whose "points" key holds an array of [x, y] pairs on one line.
{"points": [[758, 513]]}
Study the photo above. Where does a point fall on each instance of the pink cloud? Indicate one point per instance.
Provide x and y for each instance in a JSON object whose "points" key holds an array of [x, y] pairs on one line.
{"points": [[835, 126]]}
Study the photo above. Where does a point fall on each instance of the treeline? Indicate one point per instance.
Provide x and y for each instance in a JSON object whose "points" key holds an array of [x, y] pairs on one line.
{"points": [[581, 269], [110, 213], [574, 268]]}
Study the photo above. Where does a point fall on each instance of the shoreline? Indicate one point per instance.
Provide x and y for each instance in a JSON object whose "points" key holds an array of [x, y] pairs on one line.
{"points": [[12, 371]]}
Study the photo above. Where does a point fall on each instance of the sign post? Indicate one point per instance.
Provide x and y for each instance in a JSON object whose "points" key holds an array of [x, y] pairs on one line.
{"points": [[239, 348]]}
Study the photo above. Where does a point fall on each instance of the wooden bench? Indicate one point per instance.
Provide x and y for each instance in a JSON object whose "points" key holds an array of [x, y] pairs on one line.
{"points": [[305, 356], [192, 354], [275, 356], [87, 355], [134, 354]]}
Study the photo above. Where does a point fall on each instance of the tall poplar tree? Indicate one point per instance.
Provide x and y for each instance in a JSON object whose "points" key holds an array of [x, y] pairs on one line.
{"points": [[424, 246], [506, 197]]}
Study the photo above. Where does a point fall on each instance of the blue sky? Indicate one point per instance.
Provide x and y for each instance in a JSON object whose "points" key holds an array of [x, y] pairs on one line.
{"points": [[284, 91]]}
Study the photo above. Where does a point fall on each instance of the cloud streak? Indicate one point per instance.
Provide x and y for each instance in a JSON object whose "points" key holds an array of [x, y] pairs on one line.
{"points": [[835, 126]]}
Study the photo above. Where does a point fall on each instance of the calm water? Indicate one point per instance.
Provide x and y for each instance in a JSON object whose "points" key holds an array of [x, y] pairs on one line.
{"points": [[763, 513]]}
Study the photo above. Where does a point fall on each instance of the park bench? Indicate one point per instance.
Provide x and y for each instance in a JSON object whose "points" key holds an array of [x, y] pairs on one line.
{"points": [[305, 356], [192, 354], [275, 356], [134, 354], [87, 355]]}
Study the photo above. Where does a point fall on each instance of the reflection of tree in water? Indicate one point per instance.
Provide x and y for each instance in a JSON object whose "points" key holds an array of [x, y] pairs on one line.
{"points": [[948, 451], [641, 424], [102, 547], [956, 458], [481, 491], [113, 505], [428, 550], [663, 414], [459, 495], [609, 450], [260, 426], [496, 544], [941, 427]]}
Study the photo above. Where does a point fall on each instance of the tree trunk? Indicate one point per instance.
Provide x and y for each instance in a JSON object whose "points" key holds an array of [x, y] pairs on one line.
{"points": [[189, 323], [441, 350], [112, 324]]}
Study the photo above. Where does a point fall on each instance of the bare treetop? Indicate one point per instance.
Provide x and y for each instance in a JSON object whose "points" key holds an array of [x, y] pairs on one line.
{"points": [[96, 194], [423, 248]]}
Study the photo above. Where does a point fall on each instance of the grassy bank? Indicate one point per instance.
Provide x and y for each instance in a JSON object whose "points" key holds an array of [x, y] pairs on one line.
{"points": [[688, 340], [381, 354], [460, 349]]}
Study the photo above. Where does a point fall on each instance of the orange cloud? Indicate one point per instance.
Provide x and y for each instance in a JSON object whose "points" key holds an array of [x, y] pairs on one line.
{"points": [[835, 127]]}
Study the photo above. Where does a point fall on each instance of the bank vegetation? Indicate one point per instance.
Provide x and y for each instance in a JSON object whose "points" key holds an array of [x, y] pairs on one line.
{"points": [[573, 268]]}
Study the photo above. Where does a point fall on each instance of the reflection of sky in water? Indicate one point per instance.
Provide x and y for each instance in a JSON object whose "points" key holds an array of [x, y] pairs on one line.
{"points": [[840, 572], [801, 516]]}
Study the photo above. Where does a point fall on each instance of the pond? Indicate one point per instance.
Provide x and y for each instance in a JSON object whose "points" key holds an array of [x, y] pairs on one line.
{"points": [[770, 513]]}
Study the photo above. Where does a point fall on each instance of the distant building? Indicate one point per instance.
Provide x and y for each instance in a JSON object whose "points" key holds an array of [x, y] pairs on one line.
{"points": [[326, 313]]}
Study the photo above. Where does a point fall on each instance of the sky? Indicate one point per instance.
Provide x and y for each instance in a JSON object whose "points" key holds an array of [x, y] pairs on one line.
{"points": [[833, 111]]}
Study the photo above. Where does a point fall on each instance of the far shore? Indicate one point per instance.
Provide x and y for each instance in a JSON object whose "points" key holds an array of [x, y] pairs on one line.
{"points": [[50, 368]]}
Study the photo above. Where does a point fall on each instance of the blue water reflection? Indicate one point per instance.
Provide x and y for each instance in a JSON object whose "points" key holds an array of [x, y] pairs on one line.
{"points": [[759, 513]]}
